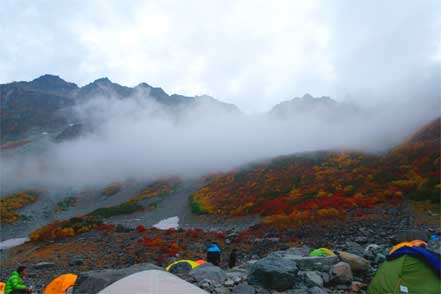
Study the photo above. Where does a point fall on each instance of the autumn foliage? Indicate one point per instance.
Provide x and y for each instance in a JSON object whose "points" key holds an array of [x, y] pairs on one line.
{"points": [[158, 188], [64, 229], [314, 186], [11, 203]]}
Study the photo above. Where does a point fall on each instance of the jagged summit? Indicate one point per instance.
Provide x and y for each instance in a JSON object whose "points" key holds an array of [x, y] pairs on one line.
{"points": [[50, 82]]}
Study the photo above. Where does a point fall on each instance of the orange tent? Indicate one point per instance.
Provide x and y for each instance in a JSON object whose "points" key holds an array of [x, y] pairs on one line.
{"points": [[2, 287], [61, 284], [201, 261]]}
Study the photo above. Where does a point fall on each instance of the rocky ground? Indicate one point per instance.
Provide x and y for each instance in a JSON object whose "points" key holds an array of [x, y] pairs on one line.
{"points": [[264, 252]]}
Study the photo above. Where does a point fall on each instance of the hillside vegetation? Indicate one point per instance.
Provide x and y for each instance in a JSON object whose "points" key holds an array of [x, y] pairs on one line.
{"points": [[304, 187]]}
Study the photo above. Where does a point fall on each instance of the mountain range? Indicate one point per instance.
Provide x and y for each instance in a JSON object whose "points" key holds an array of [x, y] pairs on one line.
{"points": [[46, 103]]}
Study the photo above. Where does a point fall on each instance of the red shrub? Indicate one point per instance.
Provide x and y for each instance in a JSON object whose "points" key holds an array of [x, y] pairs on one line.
{"points": [[140, 228]]}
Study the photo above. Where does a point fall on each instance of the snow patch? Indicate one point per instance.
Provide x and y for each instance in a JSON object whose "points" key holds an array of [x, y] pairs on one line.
{"points": [[168, 223], [12, 243]]}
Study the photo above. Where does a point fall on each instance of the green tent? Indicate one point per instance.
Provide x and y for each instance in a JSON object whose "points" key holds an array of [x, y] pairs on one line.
{"points": [[405, 275]]}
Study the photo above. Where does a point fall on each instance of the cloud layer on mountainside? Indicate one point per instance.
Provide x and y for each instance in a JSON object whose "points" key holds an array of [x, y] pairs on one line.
{"points": [[138, 138]]}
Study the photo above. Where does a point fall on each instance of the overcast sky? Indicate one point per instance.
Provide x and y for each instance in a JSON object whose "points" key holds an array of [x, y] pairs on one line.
{"points": [[250, 53]]}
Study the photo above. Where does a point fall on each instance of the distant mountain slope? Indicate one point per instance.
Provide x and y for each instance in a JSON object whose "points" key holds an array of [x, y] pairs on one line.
{"points": [[327, 183], [45, 102], [324, 105]]}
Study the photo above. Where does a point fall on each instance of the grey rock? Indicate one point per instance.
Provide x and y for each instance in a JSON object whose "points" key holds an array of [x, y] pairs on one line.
{"points": [[311, 263], [229, 283], [77, 260], [313, 279], [297, 291], [94, 281], [273, 272], [44, 265], [361, 240], [354, 247], [237, 275], [341, 273], [243, 289], [302, 251], [317, 290], [209, 272]]}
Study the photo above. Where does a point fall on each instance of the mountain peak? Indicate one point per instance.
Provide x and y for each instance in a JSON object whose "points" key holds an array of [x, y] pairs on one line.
{"points": [[52, 82], [103, 80]]}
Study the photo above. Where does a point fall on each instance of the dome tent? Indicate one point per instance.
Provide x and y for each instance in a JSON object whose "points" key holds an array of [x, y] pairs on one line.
{"points": [[61, 284], [182, 266], [408, 270], [152, 282]]}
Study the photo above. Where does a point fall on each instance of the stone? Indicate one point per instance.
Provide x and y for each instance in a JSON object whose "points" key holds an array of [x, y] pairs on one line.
{"points": [[229, 283], [302, 251], [313, 279], [370, 251], [243, 289], [341, 273], [354, 248], [298, 291], [77, 260], [209, 272], [311, 263], [273, 272], [44, 265], [237, 275], [357, 263], [92, 282], [361, 240], [356, 287], [317, 290]]}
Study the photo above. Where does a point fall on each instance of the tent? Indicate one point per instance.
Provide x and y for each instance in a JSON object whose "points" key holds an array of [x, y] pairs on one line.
{"points": [[152, 282], [2, 287], [201, 261], [321, 252], [182, 266], [408, 270], [61, 284], [409, 244]]}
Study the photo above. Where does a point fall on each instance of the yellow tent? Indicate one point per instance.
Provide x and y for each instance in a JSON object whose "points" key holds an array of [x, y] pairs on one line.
{"points": [[61, 284], [183, 265]]}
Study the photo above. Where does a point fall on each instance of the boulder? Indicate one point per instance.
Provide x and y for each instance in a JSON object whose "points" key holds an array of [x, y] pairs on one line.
{"points": [[302, 251], [273, 272], [317, 290], [209, 272], [237, 275], [243, 289], [357, 263], [341, 273], [44, 265], [298, 291], [94, 281], [313, 279], [312, 263]]}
